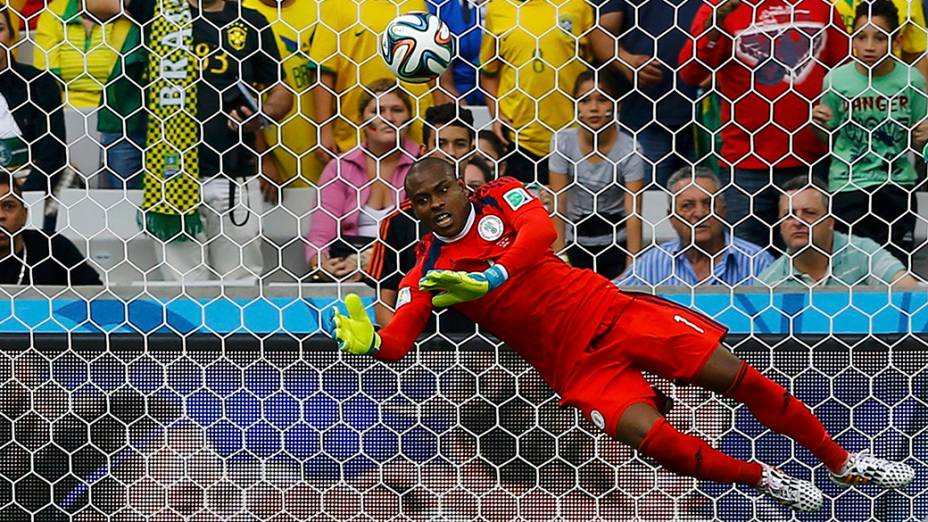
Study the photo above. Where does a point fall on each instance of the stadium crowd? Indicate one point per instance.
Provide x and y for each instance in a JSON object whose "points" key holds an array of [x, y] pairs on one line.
{"points": [[741, 112]]}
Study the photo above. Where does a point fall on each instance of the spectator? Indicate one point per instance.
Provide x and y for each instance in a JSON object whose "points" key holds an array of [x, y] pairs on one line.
{"points": [[32, 134], [92, 57], [30, 257], [463, 18], [448, 132], [597, 178], [477, 174], [235, 50], [291, 162], [870, 109], [79, 50], [817, 255], [399, 232], [703, 254], [650, 34], [492, 150], [345, 48], [911, 43], [363, 186], [531, 55], [766, 96]]}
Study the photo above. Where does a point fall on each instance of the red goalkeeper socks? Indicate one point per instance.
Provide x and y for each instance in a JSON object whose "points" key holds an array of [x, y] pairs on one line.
{"points": [[693, 457], [775, 408]]}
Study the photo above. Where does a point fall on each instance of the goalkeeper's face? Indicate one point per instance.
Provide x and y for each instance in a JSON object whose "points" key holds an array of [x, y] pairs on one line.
{"points": [[439, 199]]}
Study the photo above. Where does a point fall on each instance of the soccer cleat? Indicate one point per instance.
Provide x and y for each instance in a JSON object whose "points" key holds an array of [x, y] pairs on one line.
{"points": [[864, 468], [796, 494]]}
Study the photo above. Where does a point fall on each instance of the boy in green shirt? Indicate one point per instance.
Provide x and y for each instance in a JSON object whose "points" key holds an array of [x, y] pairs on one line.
{"points": [[873, 111]]}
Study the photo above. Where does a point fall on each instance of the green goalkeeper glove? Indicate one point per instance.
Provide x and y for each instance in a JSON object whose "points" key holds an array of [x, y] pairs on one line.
{"points": [[460, 287], [355, 332]]}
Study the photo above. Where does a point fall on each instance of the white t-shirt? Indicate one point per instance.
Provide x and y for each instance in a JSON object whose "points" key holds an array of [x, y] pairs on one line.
{"points": [[369, 220], [596, 188]]}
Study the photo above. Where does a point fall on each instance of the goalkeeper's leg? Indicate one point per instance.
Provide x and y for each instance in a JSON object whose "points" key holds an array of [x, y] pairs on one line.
{"points": [[777, 409], [642, 427], [771, 404]]}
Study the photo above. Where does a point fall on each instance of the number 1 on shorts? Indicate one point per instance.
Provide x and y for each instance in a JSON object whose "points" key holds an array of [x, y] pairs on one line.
{"points": [[684, 320]]}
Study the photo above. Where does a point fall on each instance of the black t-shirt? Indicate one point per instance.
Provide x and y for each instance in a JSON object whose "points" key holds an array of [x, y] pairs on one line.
{"points": [[395, 255], [232, 47], [49, 261]]}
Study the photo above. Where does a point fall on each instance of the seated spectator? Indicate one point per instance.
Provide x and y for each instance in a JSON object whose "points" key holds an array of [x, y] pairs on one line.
{"points": [[394, 255], [597, 176], [363, 186], [817, 255], [32, 134], [30, 257], [531, 55], [704, 254], [448, 132], [477, 173], [766, 97], [492, 150], [463, 18], [870, 109], [88, 57]]}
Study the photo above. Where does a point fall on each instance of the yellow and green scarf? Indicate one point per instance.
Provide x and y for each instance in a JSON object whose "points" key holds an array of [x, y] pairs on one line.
{"points": [[172, 166]]}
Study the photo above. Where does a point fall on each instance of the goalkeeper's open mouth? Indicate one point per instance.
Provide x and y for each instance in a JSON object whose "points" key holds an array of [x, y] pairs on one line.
{"points": [[443, 221]]}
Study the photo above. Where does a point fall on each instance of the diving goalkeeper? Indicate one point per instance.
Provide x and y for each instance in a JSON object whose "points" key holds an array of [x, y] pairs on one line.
{"points": [[489, 256]]}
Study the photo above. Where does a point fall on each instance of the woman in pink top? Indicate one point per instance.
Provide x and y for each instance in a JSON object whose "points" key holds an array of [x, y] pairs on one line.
{"points": [[359, 188]]}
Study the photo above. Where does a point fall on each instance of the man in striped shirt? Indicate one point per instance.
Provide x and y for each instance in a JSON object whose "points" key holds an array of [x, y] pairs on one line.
{"points": [[704, 254]]}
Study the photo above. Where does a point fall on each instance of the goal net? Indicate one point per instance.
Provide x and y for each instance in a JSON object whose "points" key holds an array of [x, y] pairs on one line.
{"points": [[193, 378]]}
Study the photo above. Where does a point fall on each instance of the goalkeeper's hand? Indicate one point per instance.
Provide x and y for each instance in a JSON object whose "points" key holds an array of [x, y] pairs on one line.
{"points": [[354, 332], [459, 287]]}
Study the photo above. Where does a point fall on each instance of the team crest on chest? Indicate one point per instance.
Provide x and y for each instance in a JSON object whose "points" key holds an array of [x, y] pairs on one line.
{"points": [[490, 228], [237, 36]]}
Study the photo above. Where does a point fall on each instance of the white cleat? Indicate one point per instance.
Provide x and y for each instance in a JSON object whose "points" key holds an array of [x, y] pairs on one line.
{"points": [[864, 468], [796, 494]]}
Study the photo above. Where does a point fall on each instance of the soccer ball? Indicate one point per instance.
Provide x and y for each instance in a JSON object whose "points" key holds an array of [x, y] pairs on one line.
{"points": [[417, 47]]}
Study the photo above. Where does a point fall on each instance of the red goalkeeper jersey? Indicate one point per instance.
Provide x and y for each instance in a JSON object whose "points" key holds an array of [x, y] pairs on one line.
{"points": [[546, 311]]}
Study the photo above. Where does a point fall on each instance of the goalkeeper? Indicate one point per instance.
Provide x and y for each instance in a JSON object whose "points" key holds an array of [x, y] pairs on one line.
{"points": [[489, 257]]}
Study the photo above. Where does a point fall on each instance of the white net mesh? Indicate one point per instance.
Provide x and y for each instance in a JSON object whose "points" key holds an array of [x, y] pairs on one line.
{"points": [[143, 378]]}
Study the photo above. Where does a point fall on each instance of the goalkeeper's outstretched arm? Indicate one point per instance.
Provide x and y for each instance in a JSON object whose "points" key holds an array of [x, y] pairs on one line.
{"points": [[355, 332], [411, 316], [535, 233]]}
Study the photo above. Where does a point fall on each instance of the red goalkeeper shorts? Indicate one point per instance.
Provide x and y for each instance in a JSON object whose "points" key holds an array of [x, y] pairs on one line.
{"points": [[651, 334]]}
